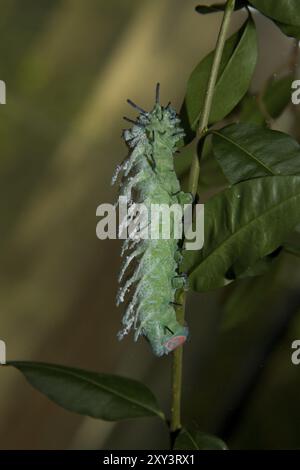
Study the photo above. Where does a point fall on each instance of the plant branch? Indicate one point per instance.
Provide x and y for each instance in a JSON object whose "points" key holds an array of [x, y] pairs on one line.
{"points": [[193, 184], [204, 119], [177, 371]]}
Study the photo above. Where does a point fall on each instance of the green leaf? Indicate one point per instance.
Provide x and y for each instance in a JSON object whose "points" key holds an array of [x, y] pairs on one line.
{"points": [[242, 225], [217, 7], [285, 14], [289, 30], [260, 267], [273, 102], [236, 70], [246, 151], [277, 95], [101, 396], [196, 440], [285, 11]]}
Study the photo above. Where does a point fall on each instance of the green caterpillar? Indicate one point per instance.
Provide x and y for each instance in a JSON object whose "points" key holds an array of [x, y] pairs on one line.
{"points": [[148, 177]]}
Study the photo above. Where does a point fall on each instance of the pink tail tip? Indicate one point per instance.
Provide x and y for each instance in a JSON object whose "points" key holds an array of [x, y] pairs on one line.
{"points": [[174, 342]]}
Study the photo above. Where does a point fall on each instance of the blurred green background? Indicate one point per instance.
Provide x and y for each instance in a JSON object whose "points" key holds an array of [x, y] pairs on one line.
{"points": [[69, 66]]}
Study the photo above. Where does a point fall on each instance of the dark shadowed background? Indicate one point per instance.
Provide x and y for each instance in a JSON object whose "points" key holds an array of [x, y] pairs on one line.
{"points": [[69, 66]]}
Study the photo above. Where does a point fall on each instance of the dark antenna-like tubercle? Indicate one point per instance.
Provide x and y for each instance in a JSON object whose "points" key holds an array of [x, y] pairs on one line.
{"points": [[157, 93], [132, 121], [129, 120], [135, 106]]}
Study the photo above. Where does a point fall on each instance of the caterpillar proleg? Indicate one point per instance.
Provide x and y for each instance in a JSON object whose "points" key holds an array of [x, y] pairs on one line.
{"points": [[148, 177]]}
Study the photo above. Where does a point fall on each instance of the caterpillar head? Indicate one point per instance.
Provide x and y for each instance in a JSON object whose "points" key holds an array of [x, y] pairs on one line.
{"points": [[161, 121]]}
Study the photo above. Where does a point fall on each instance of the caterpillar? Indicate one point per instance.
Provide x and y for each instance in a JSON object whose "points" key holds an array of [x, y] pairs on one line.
{"points": [[148, 176]]}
